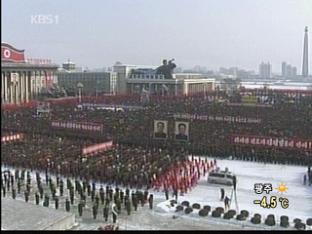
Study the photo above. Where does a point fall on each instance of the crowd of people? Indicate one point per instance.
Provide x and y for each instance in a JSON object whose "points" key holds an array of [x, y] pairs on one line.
{"points": [[121, 165], [41, 151], [287, 117], [137, 161]]}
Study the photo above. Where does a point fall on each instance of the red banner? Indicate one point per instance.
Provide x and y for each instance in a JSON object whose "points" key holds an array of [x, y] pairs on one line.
{"points": [[95, 127], [276, 142], [226, 118], [97, 148], [249, 104], [11, 54]]}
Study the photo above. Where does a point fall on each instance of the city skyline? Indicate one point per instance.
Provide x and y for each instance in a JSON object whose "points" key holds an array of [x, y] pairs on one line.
{"points": [[215, 34]]}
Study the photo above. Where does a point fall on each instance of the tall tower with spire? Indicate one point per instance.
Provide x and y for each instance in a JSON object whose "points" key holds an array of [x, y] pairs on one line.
{"points": [[305, 64]]}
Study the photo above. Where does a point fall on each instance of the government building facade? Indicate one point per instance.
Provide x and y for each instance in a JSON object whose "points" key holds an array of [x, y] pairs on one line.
{"points": [[180, 84], [139, 79], [23, 79]]}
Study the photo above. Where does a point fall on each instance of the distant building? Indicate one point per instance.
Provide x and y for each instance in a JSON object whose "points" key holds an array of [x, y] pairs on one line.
{"points": [[143, 79], [294, 71], [288, 71], [123, 71], [284, 71], [181, 84], [23, 79], [234, 72], [94, 83], [69, 66], [229, 85], [265, 70]]}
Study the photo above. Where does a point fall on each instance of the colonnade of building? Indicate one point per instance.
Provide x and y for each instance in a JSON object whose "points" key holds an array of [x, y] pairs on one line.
{"points": [[19, 86]]}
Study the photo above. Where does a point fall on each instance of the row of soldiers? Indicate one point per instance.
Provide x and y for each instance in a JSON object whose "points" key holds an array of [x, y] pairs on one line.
{"points": [[110, 199], [120, 199]]}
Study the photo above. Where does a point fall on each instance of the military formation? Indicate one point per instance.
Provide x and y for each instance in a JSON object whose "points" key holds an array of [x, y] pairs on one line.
{"points": [[126, 166], [75, 195]]}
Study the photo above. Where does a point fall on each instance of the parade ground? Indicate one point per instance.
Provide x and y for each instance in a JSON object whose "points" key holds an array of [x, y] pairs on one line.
{"points": [[248, 174], [164, 216]]}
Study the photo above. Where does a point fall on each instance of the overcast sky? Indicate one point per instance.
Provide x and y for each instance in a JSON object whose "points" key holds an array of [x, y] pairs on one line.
{"points": [[211, 33]]}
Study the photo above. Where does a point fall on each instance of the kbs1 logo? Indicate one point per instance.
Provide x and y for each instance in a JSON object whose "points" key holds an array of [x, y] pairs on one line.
{"points": [[44, 19]]}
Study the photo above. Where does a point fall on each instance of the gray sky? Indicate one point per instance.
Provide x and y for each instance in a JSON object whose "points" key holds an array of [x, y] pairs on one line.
{"points": [[211, 33]]}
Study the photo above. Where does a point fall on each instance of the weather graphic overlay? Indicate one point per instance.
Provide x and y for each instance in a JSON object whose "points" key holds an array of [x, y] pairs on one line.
{"points": [[271, 201], [281, 188]]}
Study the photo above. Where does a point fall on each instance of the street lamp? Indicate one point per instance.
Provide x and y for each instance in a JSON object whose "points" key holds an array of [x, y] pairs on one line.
{"points": [[80, 87]]}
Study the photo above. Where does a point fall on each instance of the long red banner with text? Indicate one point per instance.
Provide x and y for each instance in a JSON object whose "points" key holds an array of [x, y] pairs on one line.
{"points": [[78, 126], [97, 148], [277, 142]]}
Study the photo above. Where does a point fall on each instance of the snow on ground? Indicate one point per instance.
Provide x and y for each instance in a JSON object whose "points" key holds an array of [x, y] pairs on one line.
{"points": [[249, 173]]}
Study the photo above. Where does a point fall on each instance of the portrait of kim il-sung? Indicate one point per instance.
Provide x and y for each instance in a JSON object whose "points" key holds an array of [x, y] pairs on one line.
{"points": [[160, 129], [181, 131]]}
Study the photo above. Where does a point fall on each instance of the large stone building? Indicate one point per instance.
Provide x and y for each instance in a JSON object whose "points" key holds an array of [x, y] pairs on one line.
{"points": [[181, 84], [94, 83], [139, 79], [123, 72], [23, 79]]}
